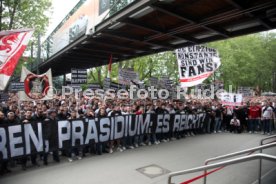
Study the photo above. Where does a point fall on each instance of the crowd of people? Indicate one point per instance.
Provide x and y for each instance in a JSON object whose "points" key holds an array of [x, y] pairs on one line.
{"points": [[257, 115]]}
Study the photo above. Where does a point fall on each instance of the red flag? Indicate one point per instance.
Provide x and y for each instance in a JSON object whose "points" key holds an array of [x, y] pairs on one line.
{"points": [[109, 66], [12, 45]]}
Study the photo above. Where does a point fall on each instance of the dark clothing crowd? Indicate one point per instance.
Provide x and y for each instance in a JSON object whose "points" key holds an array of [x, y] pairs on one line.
{"points": [[255, 117]]}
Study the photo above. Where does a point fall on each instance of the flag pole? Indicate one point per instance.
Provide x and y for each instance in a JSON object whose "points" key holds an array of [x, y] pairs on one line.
{"points": [[38, 53], [109, 67]]}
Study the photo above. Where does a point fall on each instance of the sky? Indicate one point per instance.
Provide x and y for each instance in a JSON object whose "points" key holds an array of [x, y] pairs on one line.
{"points": [[60, 9]]}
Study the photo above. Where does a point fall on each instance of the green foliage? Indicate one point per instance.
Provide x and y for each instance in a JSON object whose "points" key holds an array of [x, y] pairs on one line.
{"points": [[16, 14], [156, 65], [25, 14], [248, 60]]}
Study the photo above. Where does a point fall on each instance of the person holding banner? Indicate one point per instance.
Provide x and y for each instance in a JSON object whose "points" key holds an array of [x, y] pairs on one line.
{"points": [[12, 119], [4, 164], [73, 153], [102, 114], [49, 133], [120, 143], [160, 109], [180, 110], [29, 119], [89, 114]]}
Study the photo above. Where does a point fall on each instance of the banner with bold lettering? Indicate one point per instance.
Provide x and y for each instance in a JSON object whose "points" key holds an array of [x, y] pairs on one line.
{"points": [[18, 140], [78, 76], [196, 63]]}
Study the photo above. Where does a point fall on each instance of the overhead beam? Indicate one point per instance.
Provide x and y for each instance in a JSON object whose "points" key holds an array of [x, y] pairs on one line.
{"points": [[138, 40], [83, 57], [141, 25], [101, 51], [110, 45], [190, 20], [250, 30], [265, 22]]}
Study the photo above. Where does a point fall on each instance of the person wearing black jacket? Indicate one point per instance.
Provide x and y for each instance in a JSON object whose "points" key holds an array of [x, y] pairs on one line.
{"points": [[180, 110], [160, 109], [120, 143], [208, 118], [102, 114], [241, 113], [50, 132], [12, 118], [63, 114], [29, 119], [3, 164], [89, 114]]}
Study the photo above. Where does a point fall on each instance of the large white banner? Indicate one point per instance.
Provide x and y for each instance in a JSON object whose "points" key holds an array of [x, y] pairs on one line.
{"points": [[36, 87], [196, 63], [231, 99]]}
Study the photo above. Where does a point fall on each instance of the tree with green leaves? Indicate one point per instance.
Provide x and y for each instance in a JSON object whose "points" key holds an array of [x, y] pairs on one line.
{"points": [[16, 14], [155, 65], [246, 61]]}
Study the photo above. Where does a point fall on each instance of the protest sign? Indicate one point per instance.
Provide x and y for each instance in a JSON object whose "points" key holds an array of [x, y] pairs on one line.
{"points": [[17, 140], [231, 99], [78, 76], [196, 63]]}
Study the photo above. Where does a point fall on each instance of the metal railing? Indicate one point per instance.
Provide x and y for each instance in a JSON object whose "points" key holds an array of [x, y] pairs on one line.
{"points": [[261, 151], [267, 138], [223, 163], [251, 150]]}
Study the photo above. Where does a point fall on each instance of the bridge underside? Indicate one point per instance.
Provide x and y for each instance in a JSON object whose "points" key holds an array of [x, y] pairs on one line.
{"points": [[152, 26]]}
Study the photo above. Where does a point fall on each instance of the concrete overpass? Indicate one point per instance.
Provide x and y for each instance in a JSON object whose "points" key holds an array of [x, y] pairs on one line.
{"points": [[150, 26]]}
